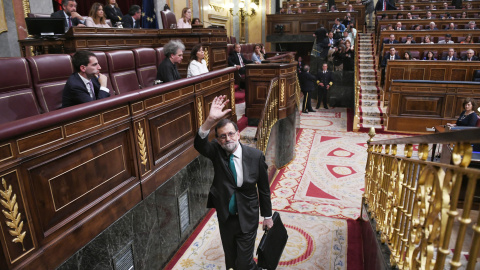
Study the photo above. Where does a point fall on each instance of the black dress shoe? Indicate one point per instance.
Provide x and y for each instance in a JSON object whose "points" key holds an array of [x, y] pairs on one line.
{"points": [[311, 111], [304, 111], [317, 107], [326, 108]]}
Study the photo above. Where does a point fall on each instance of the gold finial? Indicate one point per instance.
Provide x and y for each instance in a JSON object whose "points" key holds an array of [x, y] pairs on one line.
{"points": [[371, 134]]}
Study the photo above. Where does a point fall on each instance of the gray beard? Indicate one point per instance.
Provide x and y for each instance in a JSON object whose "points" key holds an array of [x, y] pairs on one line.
{"points": [[230, 146]]}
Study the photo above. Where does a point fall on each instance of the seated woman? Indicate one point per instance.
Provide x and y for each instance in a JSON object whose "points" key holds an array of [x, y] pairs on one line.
{"points": [[184, 21], [197, 65], [427, 40], [196, 21], [468, 39], [257, 55], [113, 12], [408, 56], [468, 118], [96, 17], [429, 56]]}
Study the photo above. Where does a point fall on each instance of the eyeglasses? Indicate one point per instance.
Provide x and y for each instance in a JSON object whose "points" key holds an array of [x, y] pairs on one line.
{"points": [[230, 135]]}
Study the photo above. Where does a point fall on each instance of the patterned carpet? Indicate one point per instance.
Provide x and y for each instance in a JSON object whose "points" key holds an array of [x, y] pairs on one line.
{"points": [[331, 119], [319, 243]]}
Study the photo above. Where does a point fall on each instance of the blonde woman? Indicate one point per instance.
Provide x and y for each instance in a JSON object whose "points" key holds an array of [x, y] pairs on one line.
{"points": [[96, 17], [185, 20]]}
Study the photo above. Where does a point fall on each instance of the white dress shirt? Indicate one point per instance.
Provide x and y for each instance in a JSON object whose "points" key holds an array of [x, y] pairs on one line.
{"points": [[196, 68], [92, 91]]}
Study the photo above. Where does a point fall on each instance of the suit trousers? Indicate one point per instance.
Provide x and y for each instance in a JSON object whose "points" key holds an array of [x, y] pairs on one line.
{"points": [[322, 97], [238, 246], [307, 101]]}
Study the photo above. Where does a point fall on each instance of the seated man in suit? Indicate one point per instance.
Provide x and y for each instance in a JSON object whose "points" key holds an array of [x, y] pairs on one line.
{"points": [[239, 189], [428, 15], [391, 55], [132, 19], [325, 79], [87, 83], [472, 26], [69, 13], [236, 59], [399, 26], [409, 40], [470, 56], [450, 56], [391, 40], [167, 71], [432, 26], [307, 84], [409, 16]]}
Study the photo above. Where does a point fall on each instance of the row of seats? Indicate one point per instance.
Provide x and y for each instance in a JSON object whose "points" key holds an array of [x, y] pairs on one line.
{"points": [[438, 55], [434, 39], [33, 85], [425, 27]]}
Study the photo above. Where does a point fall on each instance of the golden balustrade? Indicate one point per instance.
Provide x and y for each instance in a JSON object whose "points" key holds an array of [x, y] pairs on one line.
{"points": [[269, 116], [414, 201]]}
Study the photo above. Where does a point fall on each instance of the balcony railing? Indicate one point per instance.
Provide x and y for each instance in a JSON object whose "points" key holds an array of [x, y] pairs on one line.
{"points": [[415, 202]]}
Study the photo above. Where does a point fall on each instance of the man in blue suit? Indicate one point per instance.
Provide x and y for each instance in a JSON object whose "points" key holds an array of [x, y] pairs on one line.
{"points": [[324, 81], [69, 13], [132, 19], [450, 56], [87, 83]]}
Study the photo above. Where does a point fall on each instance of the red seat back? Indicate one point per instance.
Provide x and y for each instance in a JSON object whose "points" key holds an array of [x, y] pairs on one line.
{"points": [[102, 61], [17, 98], [145, 65], [160, 55], [50, 72], [168, 18], [122, 71]]}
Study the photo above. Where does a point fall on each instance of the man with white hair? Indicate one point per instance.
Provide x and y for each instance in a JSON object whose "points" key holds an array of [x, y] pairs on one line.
{"points": [[167, 70], [470, 56]]}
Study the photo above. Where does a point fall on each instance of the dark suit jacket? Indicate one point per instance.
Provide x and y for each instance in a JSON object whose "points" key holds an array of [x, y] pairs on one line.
{"points": [[233, 59], [326, 78], [75, 92], [386, 57], [61, 14], [255, 178], [113, 13], [388, 42], [379, 5], [445, 58], [127, 22], [307, 82], [474, 58], [167, 71]]}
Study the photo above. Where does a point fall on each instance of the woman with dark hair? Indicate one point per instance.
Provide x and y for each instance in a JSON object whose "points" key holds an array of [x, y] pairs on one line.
{"points": [[197, 65], [429, 56], [184, 21], [113, 12], [468, 118], [196, 21], [408, 56], [257, 55], [96, 17]]}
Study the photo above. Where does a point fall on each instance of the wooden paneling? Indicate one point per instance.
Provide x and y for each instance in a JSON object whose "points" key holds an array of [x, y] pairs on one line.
{"points": [[417, 105]]}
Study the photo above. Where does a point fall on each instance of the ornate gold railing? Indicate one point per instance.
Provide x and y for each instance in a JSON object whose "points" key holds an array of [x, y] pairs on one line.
{"points": [[414, 201], [269, 116], [356, 84]]}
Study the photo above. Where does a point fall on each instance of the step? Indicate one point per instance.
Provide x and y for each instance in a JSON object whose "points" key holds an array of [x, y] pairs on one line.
{"points": [[368, 77], [368, 82], [373, 112], [364, 95], [377, 127], [369, 103], [372, 121], [247, 136]]}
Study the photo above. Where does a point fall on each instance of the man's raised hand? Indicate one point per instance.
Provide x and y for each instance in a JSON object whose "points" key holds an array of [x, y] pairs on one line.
{"points": [[216, 110]]}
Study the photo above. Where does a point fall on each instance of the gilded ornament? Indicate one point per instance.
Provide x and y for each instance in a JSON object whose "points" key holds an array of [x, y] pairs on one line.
{"points": [[206, 57], [26, 7], [232, 92], [141, 145], [200, 111], [282, 91], [15, 224]]}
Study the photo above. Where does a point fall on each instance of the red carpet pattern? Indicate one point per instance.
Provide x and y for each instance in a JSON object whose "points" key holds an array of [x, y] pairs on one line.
{"points": [[327, 175]]}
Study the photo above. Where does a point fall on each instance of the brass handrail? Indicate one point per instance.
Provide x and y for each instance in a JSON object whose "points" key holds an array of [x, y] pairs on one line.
{"points": [[269, 116], [414, 201]]}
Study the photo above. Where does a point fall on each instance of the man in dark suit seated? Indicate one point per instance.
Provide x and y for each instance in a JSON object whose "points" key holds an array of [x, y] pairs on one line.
{"points": [[69, 13], [307, 84], [132, 19], [167, 70], [325, 79], [239, 189], [450, 56], [87, 83], [432, 26], [410, 40], [472, 25], [113, 12], [391, 55], [236, 59], [470, 56], [391, 40]]}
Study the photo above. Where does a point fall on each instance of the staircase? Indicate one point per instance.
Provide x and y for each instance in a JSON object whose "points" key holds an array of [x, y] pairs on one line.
{"points": [[371, 110]]}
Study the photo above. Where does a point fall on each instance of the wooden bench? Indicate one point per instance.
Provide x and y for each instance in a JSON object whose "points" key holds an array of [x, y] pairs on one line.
{"points": [[415, 105], [427, 70]]}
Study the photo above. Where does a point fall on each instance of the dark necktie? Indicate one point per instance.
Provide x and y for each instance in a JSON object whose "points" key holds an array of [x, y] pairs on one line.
{"points": [[69, 22], [232, 205], [240, 59], [91, 90]]}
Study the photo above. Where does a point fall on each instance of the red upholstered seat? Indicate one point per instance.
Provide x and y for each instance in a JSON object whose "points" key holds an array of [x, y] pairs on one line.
{"points": [[17, 98], [145, 65], [168, 18], [38, 15], [122, 71], [50, 72], [102, 61], [160, 55]]}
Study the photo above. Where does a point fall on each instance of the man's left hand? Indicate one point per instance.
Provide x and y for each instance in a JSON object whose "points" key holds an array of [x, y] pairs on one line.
{"points": [[267, 224]]}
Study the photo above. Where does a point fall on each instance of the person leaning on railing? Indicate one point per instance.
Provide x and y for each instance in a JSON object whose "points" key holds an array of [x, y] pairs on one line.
{"points": [[96, 17], [468, 118], [197, 65], [257, 56]]}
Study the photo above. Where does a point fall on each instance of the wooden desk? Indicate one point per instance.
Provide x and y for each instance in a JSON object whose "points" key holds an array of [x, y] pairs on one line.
{"points": [[40, 46]]}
